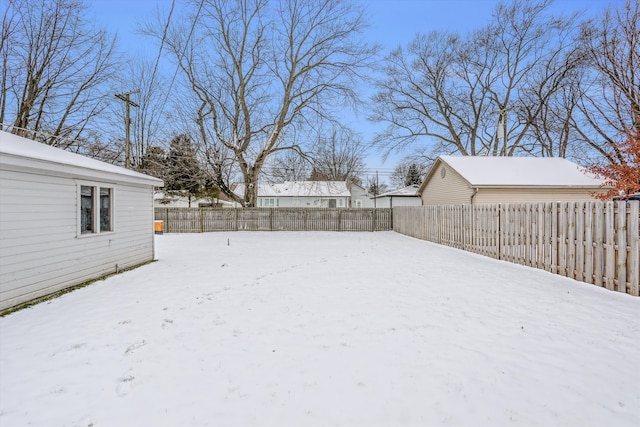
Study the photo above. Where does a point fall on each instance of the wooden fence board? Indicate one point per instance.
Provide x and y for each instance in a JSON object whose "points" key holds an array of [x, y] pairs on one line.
{"points": [[621, 243], [580, 251], [199, 220], [598, 256], [633, 232], [609, 248], [588, 242], [593, 242]]}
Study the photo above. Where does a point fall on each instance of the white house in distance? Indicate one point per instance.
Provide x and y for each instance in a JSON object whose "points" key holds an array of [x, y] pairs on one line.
{"points": [[312, 194], [165, 200], [407, 196], [488, 180], [66, 219]]}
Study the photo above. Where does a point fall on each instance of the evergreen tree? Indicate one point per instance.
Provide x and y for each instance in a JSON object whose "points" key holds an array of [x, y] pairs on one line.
{"points": [[153, 162], [183, 173], [413, 176], [209, 190]]}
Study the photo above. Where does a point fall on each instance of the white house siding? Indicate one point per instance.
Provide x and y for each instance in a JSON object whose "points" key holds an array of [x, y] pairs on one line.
{"points": [[360, 197], [303, 202], [40, 249], [450, 190], [531, 195]]}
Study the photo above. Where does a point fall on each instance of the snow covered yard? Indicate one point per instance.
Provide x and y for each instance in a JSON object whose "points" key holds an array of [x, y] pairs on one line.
{"points": [[319, 329]]}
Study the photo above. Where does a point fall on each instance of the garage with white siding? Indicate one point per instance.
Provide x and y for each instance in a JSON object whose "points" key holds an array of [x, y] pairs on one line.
{"points": [[66, 219]]}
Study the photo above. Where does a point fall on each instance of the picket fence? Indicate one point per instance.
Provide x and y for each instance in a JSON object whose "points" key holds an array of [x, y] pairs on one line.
{"points": [[199, 220], [594, 242]]}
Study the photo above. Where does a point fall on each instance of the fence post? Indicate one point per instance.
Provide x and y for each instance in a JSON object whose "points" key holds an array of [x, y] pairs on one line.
{"points": [[598, 256], [634, 244], [621, 240], [373, 220], [167, 220], [610, 256], [271, 219], [588, 243]]}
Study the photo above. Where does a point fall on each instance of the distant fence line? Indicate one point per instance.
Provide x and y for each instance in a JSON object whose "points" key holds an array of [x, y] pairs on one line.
{"points": [[593, 242], [199, 220]]}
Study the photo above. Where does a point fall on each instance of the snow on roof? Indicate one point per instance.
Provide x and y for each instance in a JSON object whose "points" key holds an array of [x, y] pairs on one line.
{"points": [[302, 189], [411, 190], [18, 146], [482, 171]]}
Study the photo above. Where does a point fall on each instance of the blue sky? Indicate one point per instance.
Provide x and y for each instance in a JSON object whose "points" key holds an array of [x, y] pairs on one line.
{"points": [[393, 23]]}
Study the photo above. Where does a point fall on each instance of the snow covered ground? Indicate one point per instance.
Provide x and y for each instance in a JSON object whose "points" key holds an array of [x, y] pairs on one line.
{"points": [[320, 329]]}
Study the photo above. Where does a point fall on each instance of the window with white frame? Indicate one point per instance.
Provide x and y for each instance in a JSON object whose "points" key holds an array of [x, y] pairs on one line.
{"points": [[358, 203], [96, 209], [105, 209], [269, 203]]}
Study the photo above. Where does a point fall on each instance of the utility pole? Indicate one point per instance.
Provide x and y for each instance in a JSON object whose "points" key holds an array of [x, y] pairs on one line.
{"points": [[127, 124]]}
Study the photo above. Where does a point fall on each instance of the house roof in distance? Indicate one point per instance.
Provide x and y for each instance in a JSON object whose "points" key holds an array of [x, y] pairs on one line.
{"points": [[24, 150], [552, 172], [409, 191], [305, 189]]}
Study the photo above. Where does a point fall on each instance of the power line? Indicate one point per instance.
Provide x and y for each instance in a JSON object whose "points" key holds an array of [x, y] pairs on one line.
{"points": [[164, 37], [184, 50]]}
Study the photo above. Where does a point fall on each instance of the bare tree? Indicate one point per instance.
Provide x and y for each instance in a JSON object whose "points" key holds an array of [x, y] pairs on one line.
{"points": [[289, 165], [339, 157], [259, 67], [409, 171], [473, 95], [147, 127], [609, 103], [55, 66]]}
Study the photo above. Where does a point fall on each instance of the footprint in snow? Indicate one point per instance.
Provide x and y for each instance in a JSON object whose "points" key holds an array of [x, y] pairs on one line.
{"points": [[133, 347], [124, 384], [84, 422], [167, 323]]}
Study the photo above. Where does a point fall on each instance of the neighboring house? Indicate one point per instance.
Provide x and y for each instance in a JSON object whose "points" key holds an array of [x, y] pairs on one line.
{"points": [[488, 180], [66, 219], [310, 194], [407, 196], [360, 197], [304, 194], [164, 200]]}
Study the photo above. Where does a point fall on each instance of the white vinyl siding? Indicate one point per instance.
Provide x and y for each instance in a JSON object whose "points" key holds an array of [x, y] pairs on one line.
{"points": [[42, 251], [450, 190], [268, 202]]}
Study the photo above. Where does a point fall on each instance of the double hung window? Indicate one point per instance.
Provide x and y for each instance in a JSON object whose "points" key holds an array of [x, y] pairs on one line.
{"points": [[96, 209]]}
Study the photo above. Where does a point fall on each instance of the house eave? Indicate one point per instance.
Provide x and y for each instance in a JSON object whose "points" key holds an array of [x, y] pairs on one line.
{"points": [[50, 168], [538, 187]]}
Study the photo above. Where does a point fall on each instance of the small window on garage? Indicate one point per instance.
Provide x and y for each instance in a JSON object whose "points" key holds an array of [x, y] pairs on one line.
{"points": [[105, 209], [86, 209], [96, 209]]}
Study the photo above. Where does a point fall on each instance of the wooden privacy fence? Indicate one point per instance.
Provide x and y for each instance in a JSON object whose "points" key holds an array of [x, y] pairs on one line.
{"points": [[594, 242], [199, 220]]}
